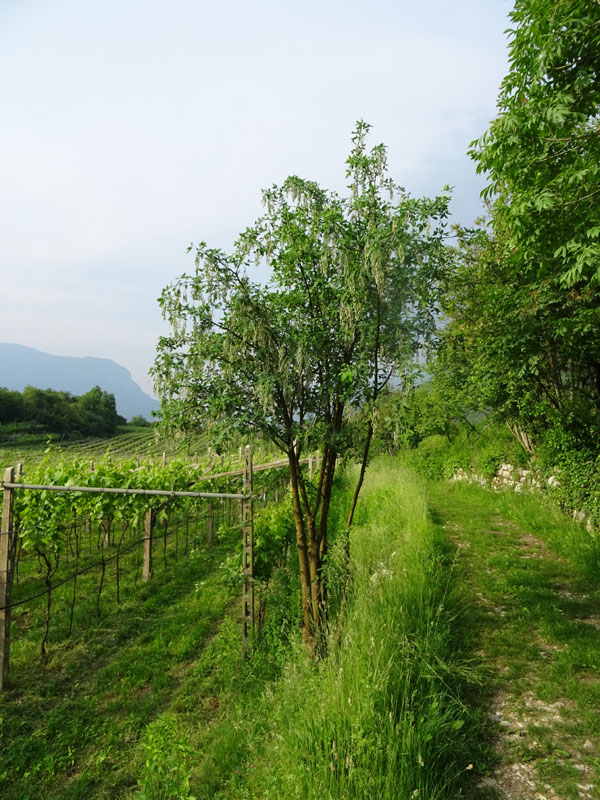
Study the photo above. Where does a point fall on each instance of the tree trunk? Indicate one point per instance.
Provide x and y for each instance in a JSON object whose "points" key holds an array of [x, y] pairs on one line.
{"points": [[311, 542]]}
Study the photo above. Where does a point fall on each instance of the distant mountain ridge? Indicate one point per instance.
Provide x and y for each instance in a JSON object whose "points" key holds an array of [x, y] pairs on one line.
{"points": [[22, 366]]}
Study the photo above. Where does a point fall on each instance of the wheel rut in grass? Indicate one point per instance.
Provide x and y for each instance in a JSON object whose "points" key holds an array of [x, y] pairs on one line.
{"points": [[532, 623]]}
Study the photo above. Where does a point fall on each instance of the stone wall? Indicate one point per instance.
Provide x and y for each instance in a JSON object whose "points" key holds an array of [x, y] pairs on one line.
{"points": [[519, 480]]}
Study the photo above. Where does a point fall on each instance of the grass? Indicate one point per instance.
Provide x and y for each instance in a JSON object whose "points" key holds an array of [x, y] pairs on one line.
{"points": [[71, 725], [152, 701], [470, 645], [531, 576], [383, 716]]}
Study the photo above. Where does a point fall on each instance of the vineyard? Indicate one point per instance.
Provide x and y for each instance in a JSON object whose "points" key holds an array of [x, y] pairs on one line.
{"points": [[76, 540], [146, 445]]}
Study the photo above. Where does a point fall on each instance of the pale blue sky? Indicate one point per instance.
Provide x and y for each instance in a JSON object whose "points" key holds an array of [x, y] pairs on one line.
{"points": [[129, 128]]}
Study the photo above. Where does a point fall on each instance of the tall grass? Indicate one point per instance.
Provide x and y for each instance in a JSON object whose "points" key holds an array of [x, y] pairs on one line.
{"points": [[382, 716]]}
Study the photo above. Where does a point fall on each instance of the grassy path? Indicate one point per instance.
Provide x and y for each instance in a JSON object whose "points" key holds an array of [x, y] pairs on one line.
{"points": [[71, 728], [154, 691], [533, 622]]}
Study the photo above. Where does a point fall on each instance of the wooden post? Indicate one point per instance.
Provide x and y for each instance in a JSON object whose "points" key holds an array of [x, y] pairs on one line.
{"points": [[92, 466], [248, 546], [106, 522], [6, 573], [318, 460], [310, 466], [148, 527], [240, 456], [209, 523], [164, 461]]}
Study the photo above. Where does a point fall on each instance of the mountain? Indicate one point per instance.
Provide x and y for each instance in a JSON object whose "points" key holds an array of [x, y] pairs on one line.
{"points": [[23, 366]]}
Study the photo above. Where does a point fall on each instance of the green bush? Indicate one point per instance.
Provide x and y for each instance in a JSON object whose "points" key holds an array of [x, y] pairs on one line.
{"points": [[438, 458], [577, 469]]}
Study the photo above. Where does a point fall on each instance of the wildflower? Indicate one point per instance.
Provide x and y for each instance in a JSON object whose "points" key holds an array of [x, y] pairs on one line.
{"points": [[470, 766]]}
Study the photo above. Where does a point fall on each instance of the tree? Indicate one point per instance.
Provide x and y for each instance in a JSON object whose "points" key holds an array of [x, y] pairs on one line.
{"points": [[525, 300], [520, 346], [11, 406], [348, 303], [95, 413], [50, 408], [140, 421], [92, 414], [542, 152]]}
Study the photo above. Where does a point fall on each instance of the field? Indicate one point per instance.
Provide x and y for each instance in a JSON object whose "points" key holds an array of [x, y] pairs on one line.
{"points": [[467, 663], [143, 443]]}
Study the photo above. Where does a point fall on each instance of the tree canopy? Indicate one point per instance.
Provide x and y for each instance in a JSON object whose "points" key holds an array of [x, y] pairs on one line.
{"points": [[542, 152], [348, 303], [524, 301], [91, 414]]}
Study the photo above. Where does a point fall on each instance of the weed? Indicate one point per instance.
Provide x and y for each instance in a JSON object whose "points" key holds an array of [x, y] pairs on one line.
{"points": [[166, 772]]}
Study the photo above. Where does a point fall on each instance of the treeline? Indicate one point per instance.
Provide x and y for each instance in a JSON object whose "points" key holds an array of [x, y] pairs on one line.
{"points": [[91, 414], [520, 342]]}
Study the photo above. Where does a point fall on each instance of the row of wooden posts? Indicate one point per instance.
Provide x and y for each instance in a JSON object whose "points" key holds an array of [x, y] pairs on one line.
{"points": [[210, 455], [8, 541], [8, 536]]}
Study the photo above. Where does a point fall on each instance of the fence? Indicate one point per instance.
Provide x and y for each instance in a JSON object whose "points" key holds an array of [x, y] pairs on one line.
{"points": [[10, 552], [9, 544]]}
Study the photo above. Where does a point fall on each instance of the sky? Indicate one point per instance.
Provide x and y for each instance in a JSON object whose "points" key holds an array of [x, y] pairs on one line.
{"points": [[132, 128]]}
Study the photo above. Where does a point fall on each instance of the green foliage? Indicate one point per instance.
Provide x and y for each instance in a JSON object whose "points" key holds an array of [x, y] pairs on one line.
{"points": [[438, 458], [45, 514], [542, 153], [92, 414], [274, 533], [349, 302], [11, 406], [576, 471], [524, 301], [405, 417], [96, 413], [386, 718], [35, 448], [166, 774], [521, 345], [140, 422]]}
